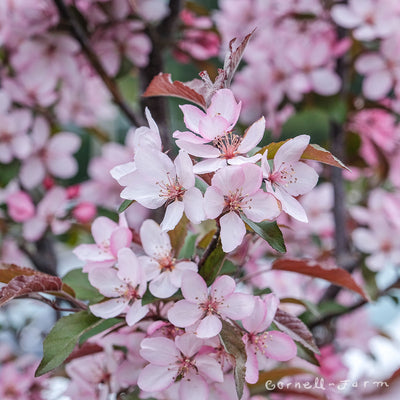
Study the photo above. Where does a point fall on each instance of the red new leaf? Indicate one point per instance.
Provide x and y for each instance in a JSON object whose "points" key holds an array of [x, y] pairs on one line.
{"points": [[296, 329], [26, 284], [11, 271], [312, 152], [162, 85], [335, 275]]}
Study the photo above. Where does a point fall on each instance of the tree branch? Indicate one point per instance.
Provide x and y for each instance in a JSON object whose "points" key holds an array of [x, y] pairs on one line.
{"points": [[211, 247], [79, 34]]}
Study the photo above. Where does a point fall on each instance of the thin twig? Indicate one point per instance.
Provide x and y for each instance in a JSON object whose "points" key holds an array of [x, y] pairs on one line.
{"points": [[211, 247], [79, 34]]}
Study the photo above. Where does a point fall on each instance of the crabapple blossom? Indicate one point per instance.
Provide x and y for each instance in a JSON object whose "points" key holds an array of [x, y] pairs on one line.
{"points": [[20, 206], [50, 211], [213, 138], [260, 342], [124, 287], [157, 180], [109, 238], [161, 268], [178, 362], [289, 176], [54, 155], [235, 190], [205, 307]]}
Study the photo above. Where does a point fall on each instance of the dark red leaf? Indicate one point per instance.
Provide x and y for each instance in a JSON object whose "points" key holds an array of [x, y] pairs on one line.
{"points": [[296, 329], [26, 284], [162, 85], [86, 349], [335, 275]]}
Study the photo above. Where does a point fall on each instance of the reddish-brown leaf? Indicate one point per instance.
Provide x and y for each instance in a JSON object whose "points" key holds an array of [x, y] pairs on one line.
{"points": [[312, 152], [86, 349], [162, 85], [10, 271], [26, 284], [296, 329], [335, 275]]}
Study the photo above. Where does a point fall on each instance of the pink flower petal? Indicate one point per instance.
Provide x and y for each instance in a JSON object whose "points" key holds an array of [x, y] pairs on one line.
{"points": [[102, 228], [184, 169], [291, 151], [194, 205], [172, 216], [262, 206], [281, 347], [212, 127], [192, 117], [109, 309], [377, 85], [238, 306], [325, 81], [162, 286], [92, 252], [184, 313], [251, 364], [214, 202], [290, 205], [120, 238], [252, 136], [128, 267], [159, 351], [106, 280], [209, 327], [194, 288], [253, 322], [136, 312], [155, 241], [188, 344], [222, 287], [252, 178], [229, 179], [210, 165], [344, 16], [232, 231], [198, 149], [210, 368], [224, 103], [193, 388], [154, 378]]}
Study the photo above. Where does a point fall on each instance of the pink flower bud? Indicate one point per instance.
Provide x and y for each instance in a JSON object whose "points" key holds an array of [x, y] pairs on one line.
{"points": [[20, 206], [84, 212]]}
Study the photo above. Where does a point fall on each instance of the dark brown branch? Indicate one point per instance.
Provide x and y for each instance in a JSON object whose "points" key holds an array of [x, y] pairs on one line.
{"points": [[211, 247], [80, 35]]}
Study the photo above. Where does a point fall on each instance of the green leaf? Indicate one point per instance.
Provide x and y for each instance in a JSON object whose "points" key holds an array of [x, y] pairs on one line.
{"points": [[8, 172], [189, 246], [102, 326], [178, 234], [79, 281], [231, 339], [306, 354], [201, 185], [61, 340], [125, 204], [269, 231], [213, 264]]}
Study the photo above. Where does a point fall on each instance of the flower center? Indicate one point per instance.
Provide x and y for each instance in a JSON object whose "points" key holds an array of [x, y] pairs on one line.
{"points": [[210, 306], [185, 364], [261, 342], [285, 176], [130, 293], [234, 201], [167, 263], [227, 144], [172, 189]]}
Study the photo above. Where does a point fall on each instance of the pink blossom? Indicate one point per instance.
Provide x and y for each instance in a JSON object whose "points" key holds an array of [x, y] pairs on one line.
{"points": [[84, 212], [207, 306], [160, 266], [213, 138], [157, 180], [260, 342], [370, 19], [109, 238], [151, 10], [20, 206], [178, 362], [235, 190], [50, 212], [289, 176], [124, 286], [54, 155]]}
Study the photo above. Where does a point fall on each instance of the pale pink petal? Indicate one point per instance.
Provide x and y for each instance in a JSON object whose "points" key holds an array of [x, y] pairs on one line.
{"points": [[102, 228], [377, 85], [280, 346], [152, 124], [151, 268], [198, 150], [92, 252], [193, 388], [214, 202], [162, 286], [266, 169], [251, 364], [209, 327], [159, 351], [21, 146], [106, 280], [212, 127], [128, 267], [365, 240], [377, 261], [240, 160], [252, 136], [305, 179], [136, 312], [64, 142], [210, 165], [194, 288], [261, 206], [62, 166], [222, 287], [154, 164], [224, 103], [154, 378], [120, 238], [325, 81], [59, 226], [344, 16], [184, 313], [291, 151], [368, 63], [209, 367], [184, 169], [271, 302], [122, 170], [237, 306], [232, 231], [155, 241], [32, 172], [192, 117], [173, 215], [34, 229], [252, 178], [253, 322], [194, 205], [109, 309], [188, 344], [229, 179], [290, 205], [189, 137]]}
